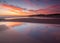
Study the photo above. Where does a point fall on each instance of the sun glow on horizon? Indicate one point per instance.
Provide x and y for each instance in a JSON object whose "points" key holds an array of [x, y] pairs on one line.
{"points": [[6, 10]]}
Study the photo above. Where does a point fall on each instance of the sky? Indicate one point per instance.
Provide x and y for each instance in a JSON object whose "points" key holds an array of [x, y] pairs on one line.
{"points": [[31, 4], [40, 6]]}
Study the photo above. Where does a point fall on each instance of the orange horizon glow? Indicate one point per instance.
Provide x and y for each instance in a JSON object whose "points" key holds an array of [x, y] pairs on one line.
{"points": [[6, 10]]}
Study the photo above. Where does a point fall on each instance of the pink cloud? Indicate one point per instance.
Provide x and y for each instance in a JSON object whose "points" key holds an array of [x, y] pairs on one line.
{"points": [[12, 7], [56, 6], [30, 3], [52, 9]]}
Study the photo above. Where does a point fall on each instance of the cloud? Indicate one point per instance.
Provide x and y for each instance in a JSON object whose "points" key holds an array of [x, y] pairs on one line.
{"points": [[54, 8], [13, 11], [30, 3], [16, 11], [51, 9]]}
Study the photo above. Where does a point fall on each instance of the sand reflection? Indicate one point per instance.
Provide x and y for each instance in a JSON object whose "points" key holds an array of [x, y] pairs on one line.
{"points": [[11, 24], [7, 26]]}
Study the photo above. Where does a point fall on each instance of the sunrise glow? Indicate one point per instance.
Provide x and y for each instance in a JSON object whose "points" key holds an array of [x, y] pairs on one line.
{"points": [[6, 10]]}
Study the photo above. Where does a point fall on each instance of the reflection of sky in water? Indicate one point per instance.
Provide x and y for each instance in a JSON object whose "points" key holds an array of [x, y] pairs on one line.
{"points": [[46, 33], [36, 26], [11, 24], [39, 31]]}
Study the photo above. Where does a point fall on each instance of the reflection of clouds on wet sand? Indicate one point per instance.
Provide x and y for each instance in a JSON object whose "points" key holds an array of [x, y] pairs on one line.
{"points": [[29, 33], [45, 33], [8, 35], [11, 24]]}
